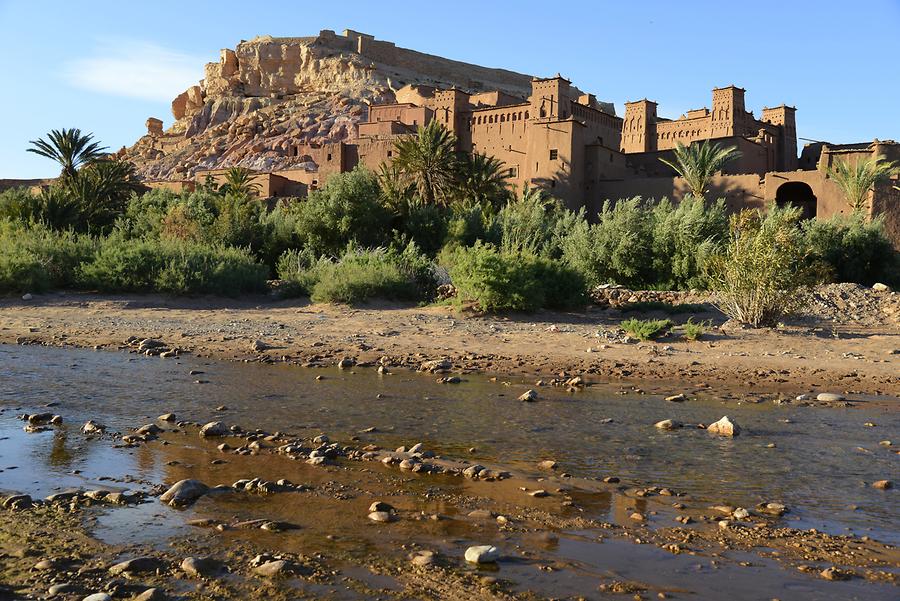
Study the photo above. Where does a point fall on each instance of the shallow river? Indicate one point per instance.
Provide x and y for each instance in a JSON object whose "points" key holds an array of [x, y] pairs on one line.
{"points": [[820, 466]]}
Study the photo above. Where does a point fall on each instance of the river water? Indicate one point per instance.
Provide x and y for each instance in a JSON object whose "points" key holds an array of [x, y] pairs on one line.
{"points": [[821, 465]]}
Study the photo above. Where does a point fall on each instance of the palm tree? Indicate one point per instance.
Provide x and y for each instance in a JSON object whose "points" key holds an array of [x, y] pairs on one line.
{"points": [[428, 159], [482, 180], [698, 163], [239, 182], [396, 189], [69, 148], [855, 180], [101, 192]]}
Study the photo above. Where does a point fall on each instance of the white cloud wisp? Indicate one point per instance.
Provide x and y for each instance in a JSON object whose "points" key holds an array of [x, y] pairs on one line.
{"points": [[134, 69]]}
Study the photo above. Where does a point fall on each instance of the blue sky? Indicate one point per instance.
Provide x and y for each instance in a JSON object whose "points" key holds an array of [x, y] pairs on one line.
{"points": [[106, 66]]}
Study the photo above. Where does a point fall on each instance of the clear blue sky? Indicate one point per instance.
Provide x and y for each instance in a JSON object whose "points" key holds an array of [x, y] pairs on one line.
{"points": [[106, 66]]}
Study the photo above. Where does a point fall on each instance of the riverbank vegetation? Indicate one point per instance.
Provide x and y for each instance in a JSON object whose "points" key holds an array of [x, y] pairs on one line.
{"points": [[433, 218]]}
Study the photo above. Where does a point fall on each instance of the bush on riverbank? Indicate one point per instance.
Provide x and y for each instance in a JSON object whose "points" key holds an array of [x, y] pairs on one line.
{"points": [[36, 259], [358, 275], [496, 280], [179, 267]]}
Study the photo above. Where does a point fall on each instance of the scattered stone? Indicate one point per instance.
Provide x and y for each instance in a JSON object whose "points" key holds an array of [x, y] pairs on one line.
{"points": [[201, 567], [830, 397], [61, 589], [548, 464], [214, 429], [481, 514], [436, 365], [668, 424], [676, 398], [540, 493], [27, 296], [834, 573], [482, 554], [381, 516], [260, 346], [882, 484], [724, 427], [423, 558], [17, 502], [528, 396], [92, 427], [184, 492], [98, 597], [380, 506], [137, 565], [167, 417], [274, 568], [879, 287], [152, 594], [346, 362]]}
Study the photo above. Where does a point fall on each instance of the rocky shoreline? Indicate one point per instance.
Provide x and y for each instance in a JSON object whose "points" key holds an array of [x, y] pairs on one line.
{"points": [[849, 345], [377, 482]]}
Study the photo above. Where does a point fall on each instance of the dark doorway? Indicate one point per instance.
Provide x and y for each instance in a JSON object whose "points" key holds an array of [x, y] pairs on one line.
{"points": [[797, 194]]}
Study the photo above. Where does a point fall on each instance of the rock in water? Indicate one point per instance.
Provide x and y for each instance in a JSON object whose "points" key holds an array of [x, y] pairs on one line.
{"points": [[482, 554], [724, 427], [528, 396], [213, 429], [184, 492], [92, 427], [830, 397], [668, 424], [883, 484]]}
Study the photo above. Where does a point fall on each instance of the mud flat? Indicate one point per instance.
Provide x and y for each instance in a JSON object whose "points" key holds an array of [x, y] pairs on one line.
{"points": [[365, 483]]}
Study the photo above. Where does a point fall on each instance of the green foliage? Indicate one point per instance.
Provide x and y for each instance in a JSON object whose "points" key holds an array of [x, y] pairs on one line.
{"points": [[759, 275], [852, 249], [857, 178], [481, 181], [699, 162], [172, 266], [36, 258], [616, 249], [428, 161], [347, 209], [498, 281], [359, 275], [694, 330], [239, 183], [68, 147], [535, 224], [646, 329], [683, 236]]}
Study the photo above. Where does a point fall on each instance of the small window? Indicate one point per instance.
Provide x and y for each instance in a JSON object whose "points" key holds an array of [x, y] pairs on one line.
{"points": [[552, 183], [315, 182], [390, 153], [329, 156], [513, 172], [554, 154]]}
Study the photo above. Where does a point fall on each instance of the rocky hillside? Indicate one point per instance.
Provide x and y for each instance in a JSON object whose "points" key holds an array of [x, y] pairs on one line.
{"points": [[269, 94]]}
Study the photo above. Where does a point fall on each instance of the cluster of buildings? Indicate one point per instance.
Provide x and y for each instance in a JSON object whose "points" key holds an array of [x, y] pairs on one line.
{"points": [[581, 152]]}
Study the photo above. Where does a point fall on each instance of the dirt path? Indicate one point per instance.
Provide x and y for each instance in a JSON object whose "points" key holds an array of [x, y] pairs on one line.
{"points": [[852, 351]]}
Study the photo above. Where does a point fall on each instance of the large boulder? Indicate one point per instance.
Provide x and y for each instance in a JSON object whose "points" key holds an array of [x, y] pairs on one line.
{"points": [[184, 492], [724, 427]]}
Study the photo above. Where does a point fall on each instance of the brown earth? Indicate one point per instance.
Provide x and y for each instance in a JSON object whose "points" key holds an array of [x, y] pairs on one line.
{"points": [[849, 342]]}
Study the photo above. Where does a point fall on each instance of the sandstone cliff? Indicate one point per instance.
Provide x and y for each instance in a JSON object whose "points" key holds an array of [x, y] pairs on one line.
{"points": [[269, 94]]}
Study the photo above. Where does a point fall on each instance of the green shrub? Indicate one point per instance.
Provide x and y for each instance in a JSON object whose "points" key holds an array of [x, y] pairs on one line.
{"points": [[759, 275], [852, 249], [426, 226], [684, 235], [347, 209], [645, 329], [359, 275], [616, 249], [534, 224], [173, 266], [498, 281], [694, 330], [35, 258]]}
